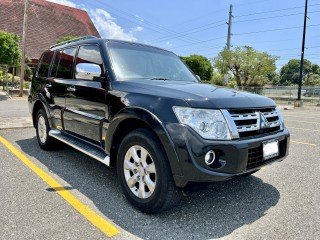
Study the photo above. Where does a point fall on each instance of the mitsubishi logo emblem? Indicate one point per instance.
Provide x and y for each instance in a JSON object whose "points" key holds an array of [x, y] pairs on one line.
{"points": [[263, 121]]}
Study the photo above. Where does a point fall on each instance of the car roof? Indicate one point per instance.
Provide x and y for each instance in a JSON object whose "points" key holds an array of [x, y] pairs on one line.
{"points": [[101, 41]]}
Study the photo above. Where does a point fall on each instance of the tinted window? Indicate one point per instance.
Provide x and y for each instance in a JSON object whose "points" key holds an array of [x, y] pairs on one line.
{"points": [[55, 64], [45, 64], [91, 55], [65, 68], [131, 61]]}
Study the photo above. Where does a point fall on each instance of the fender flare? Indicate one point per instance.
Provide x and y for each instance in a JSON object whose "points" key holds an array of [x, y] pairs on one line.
{"points": [[154, 123], [40, 98]]}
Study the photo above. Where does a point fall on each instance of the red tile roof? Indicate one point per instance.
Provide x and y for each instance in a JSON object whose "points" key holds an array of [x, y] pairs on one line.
{"points": [[47, 22]]}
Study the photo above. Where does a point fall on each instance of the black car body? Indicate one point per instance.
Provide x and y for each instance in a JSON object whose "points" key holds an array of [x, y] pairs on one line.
{"points": [[100, 111]]}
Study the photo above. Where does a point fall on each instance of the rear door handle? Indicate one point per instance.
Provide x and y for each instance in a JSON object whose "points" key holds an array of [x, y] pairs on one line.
{"points": [[71, 89]]}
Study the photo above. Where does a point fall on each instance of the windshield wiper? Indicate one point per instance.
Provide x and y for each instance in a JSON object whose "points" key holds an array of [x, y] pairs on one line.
{"points": [[159, 78]]}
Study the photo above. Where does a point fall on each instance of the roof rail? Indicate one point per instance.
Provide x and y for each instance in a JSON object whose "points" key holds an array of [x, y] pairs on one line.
{"points": [[73, 40]]}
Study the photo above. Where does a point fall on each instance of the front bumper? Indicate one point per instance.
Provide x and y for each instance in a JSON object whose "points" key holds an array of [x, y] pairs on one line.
{"points": [[234, 157]]}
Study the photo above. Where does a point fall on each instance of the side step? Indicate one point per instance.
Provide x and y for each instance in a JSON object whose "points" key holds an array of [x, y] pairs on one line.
{"points": [[83, 146]]}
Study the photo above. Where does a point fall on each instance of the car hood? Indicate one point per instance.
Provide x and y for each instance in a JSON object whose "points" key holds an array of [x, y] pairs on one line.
{"points": [[198, 95]]}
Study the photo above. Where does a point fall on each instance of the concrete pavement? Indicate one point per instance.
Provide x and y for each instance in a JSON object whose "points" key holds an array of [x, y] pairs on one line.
{"points": [[14, 112]]}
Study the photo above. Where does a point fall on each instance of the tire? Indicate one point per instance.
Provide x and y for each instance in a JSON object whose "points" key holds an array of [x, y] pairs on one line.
{"points": [[42, 129], [144, 173]]}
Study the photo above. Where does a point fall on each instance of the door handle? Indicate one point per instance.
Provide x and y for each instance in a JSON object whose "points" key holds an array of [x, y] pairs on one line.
{"points": [[71, 89], [48, 85]]}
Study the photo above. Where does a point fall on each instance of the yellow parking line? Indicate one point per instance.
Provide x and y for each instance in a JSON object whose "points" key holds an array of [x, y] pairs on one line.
{"points": [[305, 129], [89, 214], [310, 144], [289, 120]]}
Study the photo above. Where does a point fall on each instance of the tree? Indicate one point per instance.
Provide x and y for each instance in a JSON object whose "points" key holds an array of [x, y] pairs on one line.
{"points": [[200, 65], [10, 52], [248, 66], [290, 73], [273, 78], [65, 38]]}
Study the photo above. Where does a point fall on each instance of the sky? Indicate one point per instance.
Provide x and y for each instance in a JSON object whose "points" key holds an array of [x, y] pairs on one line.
{"points": [[188, 27]]}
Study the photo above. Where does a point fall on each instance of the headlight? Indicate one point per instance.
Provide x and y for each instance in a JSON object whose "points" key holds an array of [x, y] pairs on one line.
{"points": [[210, 124]]}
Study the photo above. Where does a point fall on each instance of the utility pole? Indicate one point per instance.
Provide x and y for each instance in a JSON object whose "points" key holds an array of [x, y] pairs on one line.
{"points": [[24, 32], [302, 52], [229, 27], [229, 37]]}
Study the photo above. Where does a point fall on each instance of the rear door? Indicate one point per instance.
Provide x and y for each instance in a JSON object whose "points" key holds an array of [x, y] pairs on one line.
{"points": [[52, 91], [85, 97]]}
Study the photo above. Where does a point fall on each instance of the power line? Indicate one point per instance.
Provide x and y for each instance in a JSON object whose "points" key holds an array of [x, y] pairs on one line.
{"points": [[273, 30], [272, 17], [188, 32], [136, 20], [209, 40], [277, 10]]}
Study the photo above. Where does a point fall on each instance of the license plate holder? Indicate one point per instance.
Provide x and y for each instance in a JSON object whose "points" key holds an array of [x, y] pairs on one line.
{"points": [[270, 149]]}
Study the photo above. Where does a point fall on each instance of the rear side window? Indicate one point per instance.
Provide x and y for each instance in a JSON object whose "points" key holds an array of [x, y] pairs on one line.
{"points": [[55, 64], [65, 68], [45, 64]]}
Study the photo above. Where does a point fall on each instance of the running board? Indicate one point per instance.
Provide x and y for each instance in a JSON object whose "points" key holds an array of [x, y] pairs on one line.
{"points": [[83, 146]]}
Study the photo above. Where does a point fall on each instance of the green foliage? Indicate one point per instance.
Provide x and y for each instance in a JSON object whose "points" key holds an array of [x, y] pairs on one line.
{"points": [[200, 65], [10, 52], [248, 66], [290, 73], [232, 84], [65, 38], [217, 79], [1, 76], [15, 82], [273, 78]]}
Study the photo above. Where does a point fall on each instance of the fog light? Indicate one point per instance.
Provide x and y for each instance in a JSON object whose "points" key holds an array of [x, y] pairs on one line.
{"points": [[210, 157]]}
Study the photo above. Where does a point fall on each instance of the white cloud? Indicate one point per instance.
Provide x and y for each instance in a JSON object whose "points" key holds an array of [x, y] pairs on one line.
{"points": [[104, 22], [64, 2], [136, 29], [108, 28]]}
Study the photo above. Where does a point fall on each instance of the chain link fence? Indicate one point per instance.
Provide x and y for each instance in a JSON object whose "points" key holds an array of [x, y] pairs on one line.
{"points": [[310, 95]]}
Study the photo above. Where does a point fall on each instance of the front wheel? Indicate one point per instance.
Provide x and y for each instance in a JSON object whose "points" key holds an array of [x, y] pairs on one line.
{"points": [[145, 174]]}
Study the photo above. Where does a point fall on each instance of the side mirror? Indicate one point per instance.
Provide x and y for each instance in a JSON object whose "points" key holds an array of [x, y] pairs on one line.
{"points": [[198, 77], [88, 71]]}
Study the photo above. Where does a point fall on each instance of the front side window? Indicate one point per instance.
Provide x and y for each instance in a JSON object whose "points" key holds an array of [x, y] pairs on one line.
{"points": [[45, 64], [65, 68], [131, 61]]}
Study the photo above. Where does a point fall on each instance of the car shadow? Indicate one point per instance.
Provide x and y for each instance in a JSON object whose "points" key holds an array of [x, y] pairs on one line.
{"points": [[212, 212]]}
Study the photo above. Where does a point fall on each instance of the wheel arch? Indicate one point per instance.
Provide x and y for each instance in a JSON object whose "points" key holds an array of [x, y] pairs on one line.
{"points": [[38, 104], [131, 118]]}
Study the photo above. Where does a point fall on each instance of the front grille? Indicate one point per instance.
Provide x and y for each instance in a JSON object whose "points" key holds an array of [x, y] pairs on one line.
{"points": [[252, 122], [255, 155]]}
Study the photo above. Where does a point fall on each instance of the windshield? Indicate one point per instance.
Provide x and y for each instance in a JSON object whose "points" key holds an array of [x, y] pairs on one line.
{"points": [[132, 61]]}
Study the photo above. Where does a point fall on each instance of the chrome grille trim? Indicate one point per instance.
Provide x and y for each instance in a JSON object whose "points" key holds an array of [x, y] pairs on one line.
{"points": [[248, 120], [245, 116]]}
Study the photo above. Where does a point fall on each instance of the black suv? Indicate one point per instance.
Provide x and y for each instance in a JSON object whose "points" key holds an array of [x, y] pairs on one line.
{"points": [[141, 109]]}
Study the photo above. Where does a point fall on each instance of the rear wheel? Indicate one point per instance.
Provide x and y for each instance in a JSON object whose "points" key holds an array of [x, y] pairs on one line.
{"points": [[145, 174], [42, 129]]}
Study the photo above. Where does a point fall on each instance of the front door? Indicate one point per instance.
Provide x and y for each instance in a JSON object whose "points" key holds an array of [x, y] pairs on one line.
{"points": [[85, 97]]}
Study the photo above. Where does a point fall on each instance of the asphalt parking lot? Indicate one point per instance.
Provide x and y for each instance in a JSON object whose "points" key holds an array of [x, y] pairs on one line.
{"points": [[281, 201]]}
